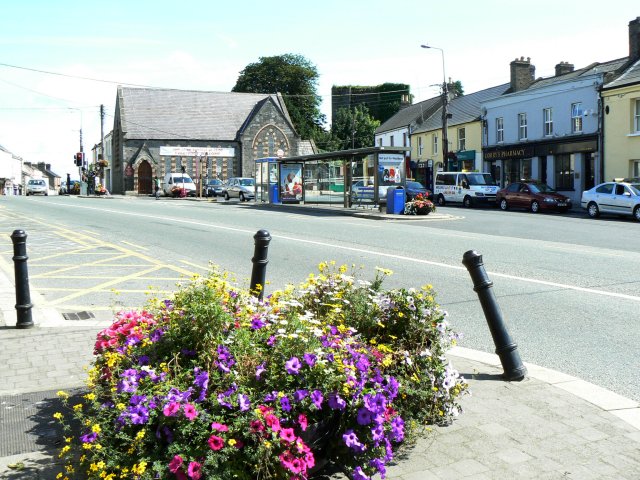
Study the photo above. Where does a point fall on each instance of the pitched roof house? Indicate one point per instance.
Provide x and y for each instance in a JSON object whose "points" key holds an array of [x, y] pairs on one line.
{"points": [[210, 134]]}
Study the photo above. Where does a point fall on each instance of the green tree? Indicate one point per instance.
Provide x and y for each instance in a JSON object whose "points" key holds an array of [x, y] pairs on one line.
{"points": [[458, 90], [353, 128], [296, 79]]}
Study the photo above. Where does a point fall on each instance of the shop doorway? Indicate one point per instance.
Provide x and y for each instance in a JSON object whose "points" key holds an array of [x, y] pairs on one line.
{"points": [[589, 169]]}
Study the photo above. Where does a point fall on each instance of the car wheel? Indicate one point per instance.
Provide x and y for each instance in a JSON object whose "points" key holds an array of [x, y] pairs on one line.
{"points": [[593, 210], [441, 201], [636, 213], [535, 206], [466, 203], [241, 197], [503, 204], [226, 195]]}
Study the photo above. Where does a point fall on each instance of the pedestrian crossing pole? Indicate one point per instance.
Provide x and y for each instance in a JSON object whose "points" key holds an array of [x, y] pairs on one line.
{"points": [[23, 296]]}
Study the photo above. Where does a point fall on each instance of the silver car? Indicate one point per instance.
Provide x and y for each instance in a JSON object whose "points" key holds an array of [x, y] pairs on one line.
{"points": [[240, 187], [618, 198], [37, 186]]}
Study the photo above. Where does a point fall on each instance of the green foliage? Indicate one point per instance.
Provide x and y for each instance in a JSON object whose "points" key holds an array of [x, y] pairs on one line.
{"points": [[383, 101], [296, 79], [352, 128]]}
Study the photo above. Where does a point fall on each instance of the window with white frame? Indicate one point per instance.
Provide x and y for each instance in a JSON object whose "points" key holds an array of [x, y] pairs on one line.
{"points": [[380, 142], [635, 169], [548, 121], [391, 140], [522, 126], [636, 117], [404, 139], [576, 117], [419, 146], [462, 142], [435, 144], [499, 130]]}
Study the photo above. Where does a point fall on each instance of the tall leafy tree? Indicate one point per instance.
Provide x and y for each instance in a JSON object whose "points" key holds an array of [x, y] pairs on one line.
{"points": [[353, 128], [296, 79]]}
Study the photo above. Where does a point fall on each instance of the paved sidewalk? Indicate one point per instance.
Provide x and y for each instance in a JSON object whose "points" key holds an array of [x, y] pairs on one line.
{"points": [[548, 426]]}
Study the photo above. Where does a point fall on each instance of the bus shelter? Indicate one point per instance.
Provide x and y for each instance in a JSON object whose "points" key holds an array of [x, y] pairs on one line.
{"points": [[348, 178]]}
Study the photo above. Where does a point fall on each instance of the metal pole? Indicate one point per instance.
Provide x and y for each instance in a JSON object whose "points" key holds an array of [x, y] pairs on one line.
{"points": [[23, 297], [506, 348], [259, 271]]}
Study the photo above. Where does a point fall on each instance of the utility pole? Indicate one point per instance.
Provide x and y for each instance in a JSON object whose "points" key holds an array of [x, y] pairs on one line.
{"points": [[445, 125], [102, 144]]}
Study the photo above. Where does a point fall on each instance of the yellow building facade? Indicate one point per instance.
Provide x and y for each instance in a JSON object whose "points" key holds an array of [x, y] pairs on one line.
{"points": [[621, 131]]}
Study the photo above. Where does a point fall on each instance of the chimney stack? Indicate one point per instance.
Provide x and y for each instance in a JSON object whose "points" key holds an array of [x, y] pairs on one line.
{"points": [[634, 39], [564, 67], [522, 74]]}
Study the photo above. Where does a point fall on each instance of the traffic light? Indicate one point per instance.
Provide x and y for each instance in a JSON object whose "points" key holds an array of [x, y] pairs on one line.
{"points": [[78, 157], [182, 169]]}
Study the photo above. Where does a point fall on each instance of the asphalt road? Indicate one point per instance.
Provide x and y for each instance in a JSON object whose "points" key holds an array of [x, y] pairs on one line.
{"points": [[569, 286]]}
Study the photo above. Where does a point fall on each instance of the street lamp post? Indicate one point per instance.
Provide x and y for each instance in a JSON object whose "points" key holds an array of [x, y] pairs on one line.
{"points": [[445, 112]]}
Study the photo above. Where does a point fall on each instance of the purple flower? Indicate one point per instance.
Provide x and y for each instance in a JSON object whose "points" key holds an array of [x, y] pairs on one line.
{"points": [[166, 431], [378, 464], [260, 370], [317, 398], [201, 381], [222, 400], [377, 433], [392, 388], [362, 364], [397, 429], [272, 341], [358, 474], [336, 402], [351, 440], [89, 437], [375, 403], [243, 402], [138, 414], [364, 416], [143, 360], [285, 404], [293, 366], [270, 397], [257, 323], [300, 395], [310, 359], [156, 335]]}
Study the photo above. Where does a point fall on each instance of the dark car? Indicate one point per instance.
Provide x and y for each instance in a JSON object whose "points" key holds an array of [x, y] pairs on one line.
{"points": [[214, 188], [532, 196], [414, 188]]}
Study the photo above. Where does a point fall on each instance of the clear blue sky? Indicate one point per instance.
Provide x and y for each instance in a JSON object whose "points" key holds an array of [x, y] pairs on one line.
{"points": [[203, 45]]}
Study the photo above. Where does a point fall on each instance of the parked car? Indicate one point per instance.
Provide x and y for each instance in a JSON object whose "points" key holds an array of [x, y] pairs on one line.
{"points": [[240, 187], [618, 198], [214, 188], [175, 182], [414, 188], [362, 191], [37, 186], [74, 189], [468, 188], [532, 196]]}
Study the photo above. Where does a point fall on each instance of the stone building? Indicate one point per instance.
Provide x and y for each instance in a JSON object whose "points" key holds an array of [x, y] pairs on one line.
{"points": [[210, 134]]}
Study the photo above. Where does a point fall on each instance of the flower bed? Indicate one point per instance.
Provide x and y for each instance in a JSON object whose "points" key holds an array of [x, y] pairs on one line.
{"points": [[420, 205], [217, 384]]}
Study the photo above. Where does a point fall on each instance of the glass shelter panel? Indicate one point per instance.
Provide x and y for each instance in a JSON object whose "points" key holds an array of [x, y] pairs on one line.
{"points": [[324, 182]]}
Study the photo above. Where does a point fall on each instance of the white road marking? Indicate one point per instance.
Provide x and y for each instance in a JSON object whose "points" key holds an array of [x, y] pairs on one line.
{"points": [[366, 251]]}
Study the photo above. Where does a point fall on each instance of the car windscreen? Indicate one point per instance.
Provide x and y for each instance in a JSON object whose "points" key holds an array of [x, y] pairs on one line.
{"points": [[540, 188], [246, 182], [480, 179], [182, 180], [415, 185], [635, 188]]}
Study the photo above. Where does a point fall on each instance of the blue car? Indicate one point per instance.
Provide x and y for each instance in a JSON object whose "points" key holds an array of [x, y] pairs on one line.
{"points": [[414, 188]]}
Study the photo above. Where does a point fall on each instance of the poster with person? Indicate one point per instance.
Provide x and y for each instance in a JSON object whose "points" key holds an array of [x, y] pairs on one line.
{"points": [[291, 182]]}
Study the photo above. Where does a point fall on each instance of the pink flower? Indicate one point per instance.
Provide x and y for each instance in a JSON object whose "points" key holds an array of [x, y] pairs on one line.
{"points": [[190, 412], [256, 426], [171, 409], [272, 422], [219, 427], [287, 435], [215, 443], [175, 464], [302, 421], [194, 470]]}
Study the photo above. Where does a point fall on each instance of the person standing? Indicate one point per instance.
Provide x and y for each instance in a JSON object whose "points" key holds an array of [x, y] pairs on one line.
{"points": [[156, 183]]}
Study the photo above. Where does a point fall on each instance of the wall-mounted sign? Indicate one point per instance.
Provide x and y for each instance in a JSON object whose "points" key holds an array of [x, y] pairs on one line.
{"points": [[168, 151]]}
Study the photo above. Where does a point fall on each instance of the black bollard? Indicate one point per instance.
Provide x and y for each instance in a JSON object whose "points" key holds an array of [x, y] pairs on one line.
{"points": [[506, 349], [23, 297], [259, 271]]}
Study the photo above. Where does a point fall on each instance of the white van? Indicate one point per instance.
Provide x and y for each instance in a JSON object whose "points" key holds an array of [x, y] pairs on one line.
{"points": [[176, 181], [468, 188]]}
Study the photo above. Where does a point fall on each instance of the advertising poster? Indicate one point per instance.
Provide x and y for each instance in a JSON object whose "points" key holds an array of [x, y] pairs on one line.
{"points": [[291, 182], [391, 169]]}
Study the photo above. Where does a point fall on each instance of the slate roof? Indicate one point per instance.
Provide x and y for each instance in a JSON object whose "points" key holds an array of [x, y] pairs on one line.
{"points": [[166, 114], [630, 76], [610, 67], [463, 109], [408, 115]]}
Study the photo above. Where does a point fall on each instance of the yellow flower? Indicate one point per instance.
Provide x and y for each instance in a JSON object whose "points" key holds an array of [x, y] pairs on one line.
{"points": [[64, 450], [62, 394], [77, 407], [232, 442], [386, 361], [139, 468], [93, 467], [57, 416], [140, 435], [384, 271], [121, 406], [96, 428], [90, 396], [342, 269]]}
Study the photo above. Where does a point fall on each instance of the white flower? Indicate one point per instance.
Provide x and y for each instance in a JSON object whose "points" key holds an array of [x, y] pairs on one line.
{"points": [[425, 353]]}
